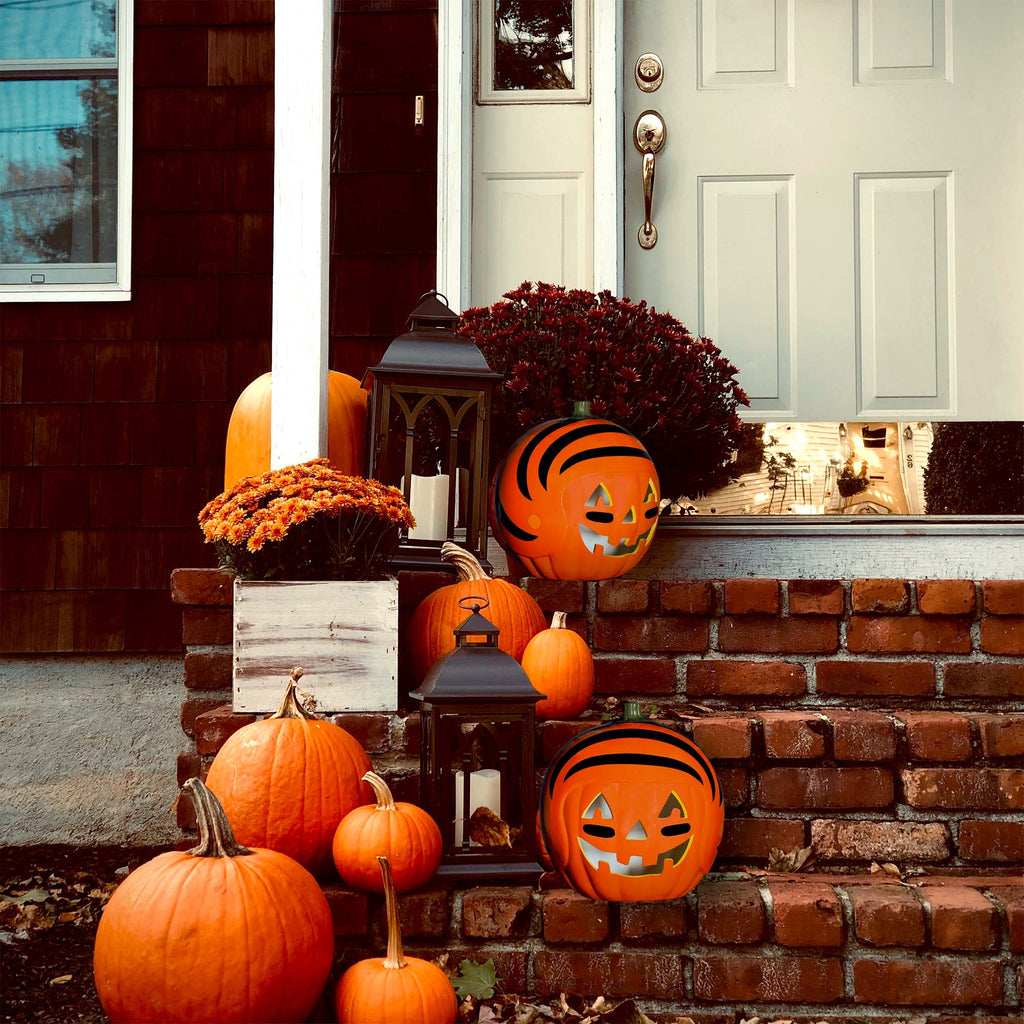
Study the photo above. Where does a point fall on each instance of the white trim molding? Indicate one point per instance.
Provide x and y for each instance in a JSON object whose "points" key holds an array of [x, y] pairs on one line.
{"points": [[299, 328]]}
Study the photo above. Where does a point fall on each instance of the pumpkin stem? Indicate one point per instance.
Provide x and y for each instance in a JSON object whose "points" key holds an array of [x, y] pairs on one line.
{"points": [[558, 620], [631, 712], [385, 801], [395, 959], [291, 706], [465, 563], [580, 410], [215, 836]]}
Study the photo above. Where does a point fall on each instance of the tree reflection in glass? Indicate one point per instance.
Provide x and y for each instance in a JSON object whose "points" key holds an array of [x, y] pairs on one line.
{"points": [[58, 134], [533, 44]]}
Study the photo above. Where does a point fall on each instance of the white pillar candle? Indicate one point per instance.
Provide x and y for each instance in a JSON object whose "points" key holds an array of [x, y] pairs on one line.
{"points": [[428, 500], [484, 791]]}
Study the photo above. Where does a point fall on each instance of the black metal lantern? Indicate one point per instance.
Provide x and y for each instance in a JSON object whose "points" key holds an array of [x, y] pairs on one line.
{"points": [[429, 434], [477, 714]]}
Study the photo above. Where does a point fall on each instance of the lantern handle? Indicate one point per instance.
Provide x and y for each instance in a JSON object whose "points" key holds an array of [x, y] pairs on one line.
{"points": [[436, 294], [473, 607]]}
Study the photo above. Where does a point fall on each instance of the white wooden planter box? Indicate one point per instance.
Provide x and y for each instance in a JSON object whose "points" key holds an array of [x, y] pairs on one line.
{"points": [[344, 634]]}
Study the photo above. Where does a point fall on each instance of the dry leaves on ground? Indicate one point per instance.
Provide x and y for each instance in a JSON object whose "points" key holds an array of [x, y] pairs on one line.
{"points": [[794, 860], [40, 901], [564, 1010]]}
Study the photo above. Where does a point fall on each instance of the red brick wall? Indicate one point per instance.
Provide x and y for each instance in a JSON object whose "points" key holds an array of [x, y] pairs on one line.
{"points": [[901, 746], [114, 414]]}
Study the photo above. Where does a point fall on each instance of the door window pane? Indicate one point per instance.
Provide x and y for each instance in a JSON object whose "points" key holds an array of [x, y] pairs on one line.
{"points": [[883, 468], [58, 172], [533, 44], [57, 29]]}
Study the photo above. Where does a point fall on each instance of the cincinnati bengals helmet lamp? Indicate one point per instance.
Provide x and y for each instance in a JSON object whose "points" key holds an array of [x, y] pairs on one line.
{"points": [[631, 810], [576, 499]]}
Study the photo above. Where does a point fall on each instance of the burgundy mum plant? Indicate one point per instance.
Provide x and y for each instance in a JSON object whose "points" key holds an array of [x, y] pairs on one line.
{"points": [[642, 369]]}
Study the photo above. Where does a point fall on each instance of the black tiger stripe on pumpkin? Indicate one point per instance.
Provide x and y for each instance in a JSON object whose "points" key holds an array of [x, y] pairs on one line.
{"points": [[599, 760], [604, 732], [522, 464], [604, 453], [506, 523], [559, 444]]}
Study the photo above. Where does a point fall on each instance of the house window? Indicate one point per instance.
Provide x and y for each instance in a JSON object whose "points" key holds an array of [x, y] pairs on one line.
{"points": [[533, 51], [64, 148]]}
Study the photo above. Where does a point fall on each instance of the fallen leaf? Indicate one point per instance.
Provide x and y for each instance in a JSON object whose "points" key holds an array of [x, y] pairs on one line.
{"points": [[62, 980], [476, 980], [794, 860], [487, 1015], [33, 896], [487, 829], [885, 869]]}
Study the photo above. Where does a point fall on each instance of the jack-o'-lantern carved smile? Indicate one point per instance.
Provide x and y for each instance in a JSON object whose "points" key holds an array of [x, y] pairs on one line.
{"points": [[634, 867], [598, 510], [631, 810]]}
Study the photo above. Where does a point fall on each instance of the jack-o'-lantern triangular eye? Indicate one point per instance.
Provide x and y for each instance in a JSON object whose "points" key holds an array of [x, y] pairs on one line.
{"points": [[598, 808], [673, 803], [652, 492], [601, 496]]}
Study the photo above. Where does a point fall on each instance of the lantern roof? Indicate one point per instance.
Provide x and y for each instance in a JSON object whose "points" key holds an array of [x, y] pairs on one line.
{"points": [[477, 671], [431, 348]]}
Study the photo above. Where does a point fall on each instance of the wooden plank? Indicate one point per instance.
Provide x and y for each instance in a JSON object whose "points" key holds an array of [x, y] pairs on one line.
{"points": [[344, 635]]}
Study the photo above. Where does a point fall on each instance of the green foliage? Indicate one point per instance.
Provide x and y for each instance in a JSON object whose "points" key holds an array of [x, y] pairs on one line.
{"points": [[975, 469], [476, 980]]}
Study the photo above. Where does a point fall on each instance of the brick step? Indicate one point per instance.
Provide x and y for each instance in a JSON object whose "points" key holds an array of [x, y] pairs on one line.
{"points": [[773, 945]]}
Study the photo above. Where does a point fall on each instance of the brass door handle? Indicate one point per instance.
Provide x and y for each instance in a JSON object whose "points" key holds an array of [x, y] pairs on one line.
{"points": [[648, 137]]}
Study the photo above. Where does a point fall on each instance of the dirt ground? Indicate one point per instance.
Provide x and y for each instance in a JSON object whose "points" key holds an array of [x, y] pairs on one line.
{"points": [[50, 903]]}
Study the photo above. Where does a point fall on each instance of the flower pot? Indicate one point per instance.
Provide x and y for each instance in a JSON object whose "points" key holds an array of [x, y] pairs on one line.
{"points": [[344, 634]]}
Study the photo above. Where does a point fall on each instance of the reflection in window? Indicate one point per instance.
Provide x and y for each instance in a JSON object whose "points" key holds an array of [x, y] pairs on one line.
{"points": [[533, 44], [895, 468], [58, 180], [57, 29]]}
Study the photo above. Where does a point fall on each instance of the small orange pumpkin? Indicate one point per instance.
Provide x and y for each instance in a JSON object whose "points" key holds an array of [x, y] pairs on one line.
{"points": [[287, 780], [560, 665], [397, 989], [182, 930], [404, 833], [247, 450], [431, 631], [576, 499], [631, 810]]}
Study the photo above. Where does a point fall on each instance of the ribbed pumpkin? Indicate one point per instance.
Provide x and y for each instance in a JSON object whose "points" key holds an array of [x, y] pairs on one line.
{"points": [[287, 781], [631, 810], [560, 665], [247, 451], [404, 833], [220, 933], [511, 609], [397, 989], [576, 499]]}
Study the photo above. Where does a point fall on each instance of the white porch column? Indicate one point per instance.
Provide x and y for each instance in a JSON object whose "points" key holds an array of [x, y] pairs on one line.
{"points": [[302, 120]]}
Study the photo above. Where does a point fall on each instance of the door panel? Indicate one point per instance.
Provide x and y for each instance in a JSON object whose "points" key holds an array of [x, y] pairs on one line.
{"points": [[838, 201]]}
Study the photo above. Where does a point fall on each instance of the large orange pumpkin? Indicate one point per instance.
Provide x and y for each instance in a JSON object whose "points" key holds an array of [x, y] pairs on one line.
{"points": [[397, 989], [431, 632], [560, 665], [287, 781], [218, 933], [576, 499], [631, 810], [404, 833], [247, 451]]}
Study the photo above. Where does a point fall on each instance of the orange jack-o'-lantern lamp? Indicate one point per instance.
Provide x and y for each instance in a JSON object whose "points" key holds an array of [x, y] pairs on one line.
{"points": [[631, 810], [576, 499]]}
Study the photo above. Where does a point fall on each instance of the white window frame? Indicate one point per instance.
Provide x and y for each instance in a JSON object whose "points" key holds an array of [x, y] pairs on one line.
{"points": [[118, 290], [945, 547]]}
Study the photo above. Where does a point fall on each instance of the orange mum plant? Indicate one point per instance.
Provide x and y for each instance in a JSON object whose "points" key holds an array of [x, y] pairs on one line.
{"points": [[306, 522]]}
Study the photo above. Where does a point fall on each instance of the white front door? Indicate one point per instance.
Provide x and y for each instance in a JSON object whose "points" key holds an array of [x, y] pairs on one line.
{"points": [[839, 202]]}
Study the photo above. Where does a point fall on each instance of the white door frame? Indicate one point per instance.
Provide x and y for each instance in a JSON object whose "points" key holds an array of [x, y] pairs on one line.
{"points": [[456, 22]]}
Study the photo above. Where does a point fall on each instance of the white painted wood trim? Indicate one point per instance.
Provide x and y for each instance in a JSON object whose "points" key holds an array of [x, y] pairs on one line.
{"points": [[454, 150], [299, 329], [607, 102]]}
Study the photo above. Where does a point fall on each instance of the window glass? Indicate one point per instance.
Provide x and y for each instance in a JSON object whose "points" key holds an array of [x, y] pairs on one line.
{"points": [[894, 468], [58, 178], [57, 29], [533, 44]]}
